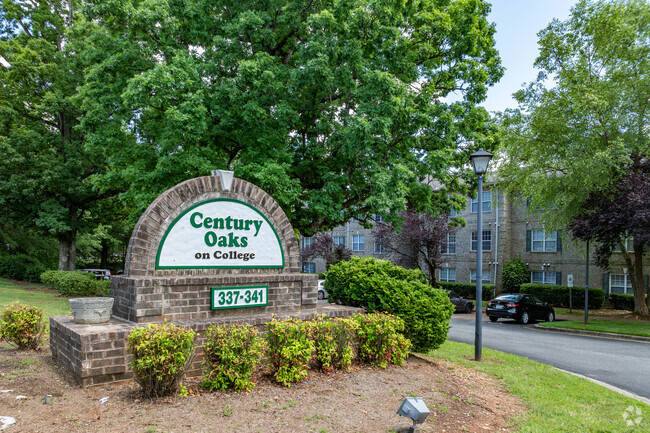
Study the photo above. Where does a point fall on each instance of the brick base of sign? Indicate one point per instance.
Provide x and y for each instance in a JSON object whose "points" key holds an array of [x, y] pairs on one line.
{"points": [[96, 354], [154, 299]]}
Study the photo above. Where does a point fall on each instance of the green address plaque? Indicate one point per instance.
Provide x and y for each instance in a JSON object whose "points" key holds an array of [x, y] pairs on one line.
{"points": [[239, 297]]}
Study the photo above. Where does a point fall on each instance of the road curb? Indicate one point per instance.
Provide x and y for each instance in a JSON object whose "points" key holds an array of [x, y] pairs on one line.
{"points": [[594, 334]]}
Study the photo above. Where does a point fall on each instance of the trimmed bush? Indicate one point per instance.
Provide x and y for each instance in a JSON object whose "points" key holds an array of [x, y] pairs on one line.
{"points": [[76, 283], [622, 301], [380, 339], [231, 354], [21, 325], [378, 285], [289, 350], [20, 267], [468, 290], [558, 296], [515, 274], [160, 356], [333, 340]]}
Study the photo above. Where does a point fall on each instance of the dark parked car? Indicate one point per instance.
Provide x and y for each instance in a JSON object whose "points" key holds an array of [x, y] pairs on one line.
{"points": [[100, 274], [519, 306], [461, 304]]}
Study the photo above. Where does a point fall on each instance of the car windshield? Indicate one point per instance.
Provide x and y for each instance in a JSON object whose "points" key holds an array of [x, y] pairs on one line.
{"points": [[507, 298]]}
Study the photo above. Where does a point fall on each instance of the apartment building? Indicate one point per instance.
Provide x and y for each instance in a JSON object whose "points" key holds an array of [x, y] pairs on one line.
{"points": [[509, 231]]}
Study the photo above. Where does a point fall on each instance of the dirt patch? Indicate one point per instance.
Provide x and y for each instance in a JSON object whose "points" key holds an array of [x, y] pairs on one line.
{"points": [[363, 400]]}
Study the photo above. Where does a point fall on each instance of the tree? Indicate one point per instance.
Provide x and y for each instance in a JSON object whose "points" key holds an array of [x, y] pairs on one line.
{"points": [[47, 173], [611, 218], [515, 274], [422, 241], [336, 108], [323, 246], [573, 139]]}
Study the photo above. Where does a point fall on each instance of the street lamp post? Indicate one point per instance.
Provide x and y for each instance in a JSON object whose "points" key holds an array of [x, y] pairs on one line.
{"points": [[480, 161]]}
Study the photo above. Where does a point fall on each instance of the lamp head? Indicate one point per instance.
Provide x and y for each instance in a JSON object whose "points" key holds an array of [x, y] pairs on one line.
{"points": [[480, 161]]}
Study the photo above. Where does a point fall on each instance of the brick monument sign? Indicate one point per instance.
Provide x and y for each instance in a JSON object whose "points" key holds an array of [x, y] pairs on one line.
{"points": [[213, 249]]}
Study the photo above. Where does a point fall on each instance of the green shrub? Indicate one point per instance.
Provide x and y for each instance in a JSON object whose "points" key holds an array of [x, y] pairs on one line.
{"points": [[76, 283], [515, 274], [468, 290], [321, 276], [21, 325], [378, 285], [558, 296], [289, 350], [231, 354], [622, 301], [333, 340], [380, 339], [160, 356], [20, 267]]}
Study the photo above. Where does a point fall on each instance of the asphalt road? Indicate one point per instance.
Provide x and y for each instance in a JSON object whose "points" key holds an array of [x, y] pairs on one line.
{"points": [[623, 364]]}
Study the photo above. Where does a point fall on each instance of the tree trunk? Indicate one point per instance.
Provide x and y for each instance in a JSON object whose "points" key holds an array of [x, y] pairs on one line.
{"points": [[67, 250], [104, 255], [638, 286]]}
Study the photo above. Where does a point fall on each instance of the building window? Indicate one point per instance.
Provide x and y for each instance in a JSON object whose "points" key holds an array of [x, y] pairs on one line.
{"points": [[486, 239], [358, 243], [487, 202], [486, 277], [307, 242], [379, 246], [450, 246], [620, 283], [628, 243], [544, 241], [378, 218], [338, 240], [544, 277], [448, 274], [309, 267]]}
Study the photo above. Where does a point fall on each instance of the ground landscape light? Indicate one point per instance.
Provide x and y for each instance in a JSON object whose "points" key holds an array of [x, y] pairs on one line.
{"points": [[414, 408]]}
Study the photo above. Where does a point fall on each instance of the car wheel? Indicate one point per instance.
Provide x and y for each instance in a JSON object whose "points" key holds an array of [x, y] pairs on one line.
{"points": [[550, 317], [493, 319], [468, 308], [321, 295], [525, 318]]}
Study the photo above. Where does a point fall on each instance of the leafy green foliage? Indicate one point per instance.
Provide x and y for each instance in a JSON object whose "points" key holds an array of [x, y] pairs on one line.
{"points": [[558, 296], [21, 325], [622, 301], [514, 275], [76, 283], [160, 356], [20, 267], [468, 290], [231, 354], [378, 285], [380, 339], [333, 341], [289, 350]]}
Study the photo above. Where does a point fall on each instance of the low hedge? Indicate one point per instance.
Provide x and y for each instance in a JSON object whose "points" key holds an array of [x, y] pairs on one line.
{"points": [[76, 283], [468, 290], [622, 301], [20, 267], [558, 296]]}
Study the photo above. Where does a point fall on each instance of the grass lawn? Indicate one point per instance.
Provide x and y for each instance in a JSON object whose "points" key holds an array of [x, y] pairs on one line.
{"points": [[558, 402], [613, 326], [36, 295]]}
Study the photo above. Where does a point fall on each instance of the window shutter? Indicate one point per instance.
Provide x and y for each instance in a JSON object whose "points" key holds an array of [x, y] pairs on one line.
{"points": [[559, 240], [528, 239], [606, 284], [558, 278]]}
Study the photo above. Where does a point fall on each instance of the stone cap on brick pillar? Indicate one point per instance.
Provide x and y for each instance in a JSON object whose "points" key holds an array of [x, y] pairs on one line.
{"points": [[163, 211]]}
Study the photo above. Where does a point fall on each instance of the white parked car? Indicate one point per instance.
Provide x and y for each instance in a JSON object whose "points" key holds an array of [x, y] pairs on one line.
{"points": [[322, 293]]}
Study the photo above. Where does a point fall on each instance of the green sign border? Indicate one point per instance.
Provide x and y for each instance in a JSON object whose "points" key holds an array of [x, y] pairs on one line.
{"points": [[213, 290], [171, 226]]}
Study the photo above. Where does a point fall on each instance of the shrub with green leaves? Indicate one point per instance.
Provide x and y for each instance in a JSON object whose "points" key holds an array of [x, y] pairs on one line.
{"points": [[558, 296], [380, 339], [622, 301], [379, 285], [76, 283], [160, 356], [333, 341], [289, 350], [20, 267], [22, 326], [231, 354], [515, 274]]}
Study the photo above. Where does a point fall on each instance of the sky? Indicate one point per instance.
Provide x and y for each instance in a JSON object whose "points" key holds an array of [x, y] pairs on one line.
{"points": [[517, 24]]}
